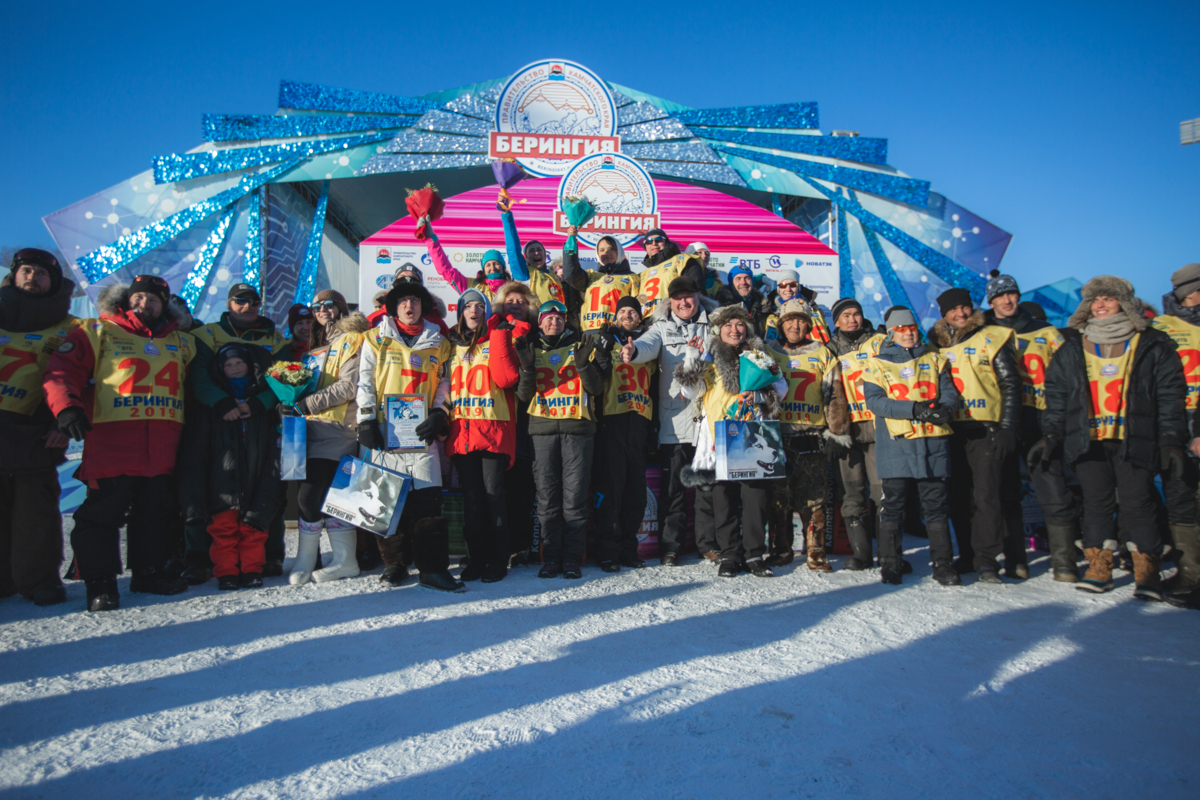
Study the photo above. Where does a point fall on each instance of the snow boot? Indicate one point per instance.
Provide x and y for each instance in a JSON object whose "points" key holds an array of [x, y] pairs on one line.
{"points": [[632, 562], [729, 568], [196, 574], [155, 581], [814, 534], [473, 571], [343, 540], [759, 568], [1098, 577], [610, 566], [252, 580], [50, 595], [102, 595], [494, 573], [394, 574], [944, 573], [1187, 563], [860, 542], [889, 572], [549, 570], [1148, 582], [229, 583], [670, 560], [571, 570], [307, 548], [987, 574], [431, 554], [1063, 561]]}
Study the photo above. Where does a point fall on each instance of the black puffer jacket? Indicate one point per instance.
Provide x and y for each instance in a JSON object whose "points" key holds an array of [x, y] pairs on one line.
{"points": [[592, 374], [1004, 364], [693, 271], [1190, 315], [757, 305], [224, 465], [1024, 323], [1154, 412]]}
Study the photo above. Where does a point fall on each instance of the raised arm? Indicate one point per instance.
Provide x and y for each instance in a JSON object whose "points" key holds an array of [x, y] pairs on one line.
{"points": [[442, 264], [512, 243]]}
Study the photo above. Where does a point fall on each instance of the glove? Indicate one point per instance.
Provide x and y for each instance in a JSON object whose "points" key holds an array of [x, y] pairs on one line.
{"points": [[1006, 443], [1170, 460], [583, 350], [524, 350], [1046, 450], [835, 450], [435, 425], [73, 422], [370, 436], [502, 324], [930, 411]]}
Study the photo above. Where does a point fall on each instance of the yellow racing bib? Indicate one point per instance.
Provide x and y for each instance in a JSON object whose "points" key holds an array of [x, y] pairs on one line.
{"points": [[138, 378], [854, 366], [400, 369], [628, 387], [975, 376], [912, 380], [472, 393], [654, 282], [1187, 343], [545, 287], [1107, 381], [559, 393], [601, 298], [1034, 351], [23, 359], [217, 337], [805, 401], [327, 362]]}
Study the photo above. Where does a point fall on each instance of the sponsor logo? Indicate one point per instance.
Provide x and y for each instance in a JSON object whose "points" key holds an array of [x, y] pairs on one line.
{"points": [[923, 366], [907, 372], [172, 348], [384, 281], [969, 351], [433, 360], [862, 355], [425, 259], [383, 256], [150, 349], [731, 431], [33, 336], [1039, 339], [5, 340], [551, 113], [775, 261], [950, 357], [794, 363], [555, 359], [415, 360], [1108, 370], [623, 193]]}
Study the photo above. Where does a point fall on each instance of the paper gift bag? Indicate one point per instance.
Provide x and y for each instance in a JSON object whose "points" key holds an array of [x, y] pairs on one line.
{"points": [[367, 496], [749, 450], [293, 448]]}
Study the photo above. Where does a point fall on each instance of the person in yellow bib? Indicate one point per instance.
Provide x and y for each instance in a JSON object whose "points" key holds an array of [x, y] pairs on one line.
{"points": [[625, 428], [1115, 412], [912, 398], [118, 381], [714, 385], [529, 264], [335, 343], [788, 288], [662, 264], [816, 429], [982, 361], [406, 354], [35, 300], [711, 285], [1181, 321], [561, 376], [854, 341], [602, 287], [1036, 341]]}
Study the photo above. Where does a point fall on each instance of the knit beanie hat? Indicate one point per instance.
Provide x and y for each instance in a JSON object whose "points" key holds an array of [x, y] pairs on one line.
{"points": [[474, 296], [898, 316], [493, 255], [739, 270], [841, 305], [1185, 280], [408, 266], [999, 285], [786, 275], [953, 298], [151, 284], [629, 301], [296, 313], [337, 298]]}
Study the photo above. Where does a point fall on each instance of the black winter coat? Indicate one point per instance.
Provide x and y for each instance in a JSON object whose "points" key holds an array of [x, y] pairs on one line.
{"points": [[225, 465], [1024, 323], [592, 374], [1004, 364], [1154, 411]]}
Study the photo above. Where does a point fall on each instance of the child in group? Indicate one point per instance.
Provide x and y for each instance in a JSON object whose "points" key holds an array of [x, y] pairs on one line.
{"points": [[229, 468]]}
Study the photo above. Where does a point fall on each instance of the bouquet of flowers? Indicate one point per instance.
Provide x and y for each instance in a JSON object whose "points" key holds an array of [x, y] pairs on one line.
{"points": [[578, 211], [425, 205], [290, 380], [508, 174], [756, 370]]}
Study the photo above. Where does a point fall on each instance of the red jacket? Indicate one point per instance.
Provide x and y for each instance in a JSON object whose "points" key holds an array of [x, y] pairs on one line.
{"points": [[470, 435], [142, 448]]}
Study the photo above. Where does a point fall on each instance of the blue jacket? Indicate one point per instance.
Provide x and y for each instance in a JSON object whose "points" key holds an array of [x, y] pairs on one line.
{"points": [[909, 458]]}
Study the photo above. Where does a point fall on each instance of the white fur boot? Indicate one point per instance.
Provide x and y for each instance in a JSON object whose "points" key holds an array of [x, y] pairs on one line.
{"points": [[306, 553], [343, 539]]}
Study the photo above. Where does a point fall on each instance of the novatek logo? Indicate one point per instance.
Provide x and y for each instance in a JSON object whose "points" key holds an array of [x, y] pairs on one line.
{"points": [[383, 256], [622, 192], [552, 113]]}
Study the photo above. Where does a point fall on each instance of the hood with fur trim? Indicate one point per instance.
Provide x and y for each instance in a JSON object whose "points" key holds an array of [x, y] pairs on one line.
{"points": [[1117, 288], [114, 301], [943, 335], [354, 322]]}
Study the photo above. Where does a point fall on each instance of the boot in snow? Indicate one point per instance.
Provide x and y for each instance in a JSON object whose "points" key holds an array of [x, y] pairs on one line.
{"points": [[473, 571], [1016, 560], [494, 573], [729, 568], [431, 553], [814, 535], [343, 541], [549, 570], [759, 568], [196, 574], [571, 570], [229, 583], [252, 580], [307, 548], [394, 574], [155, 581], [102, 595], [50, 595], [1098, 577], [889, 547], [944, 573], [1146, 575], [860, 542], [1063, 561], [1187, 563]]}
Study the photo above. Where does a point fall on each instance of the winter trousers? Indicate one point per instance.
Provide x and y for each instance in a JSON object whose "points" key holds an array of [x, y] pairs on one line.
{"points": [[1104, 475], [145, 505], [932, 492], [31, 540], [319, 473], [485, 508], [858, 474], [975, 508], [518, 493], [1180, 493], [805, 489], [755, 503], [236, 544], [1050, 486], [562, 468], [621, 484], [422, 536], [672, 504]]}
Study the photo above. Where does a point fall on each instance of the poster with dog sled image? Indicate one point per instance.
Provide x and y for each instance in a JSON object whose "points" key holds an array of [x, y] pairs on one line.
{"points": [[367, 496], [749, 450]]}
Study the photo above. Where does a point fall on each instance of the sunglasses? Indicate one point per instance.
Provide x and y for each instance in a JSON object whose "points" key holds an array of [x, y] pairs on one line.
{"points": [[322, 304], [906, 328], [406, 279], [654, 240], [245, 301], [789, 285], [157, 281]]}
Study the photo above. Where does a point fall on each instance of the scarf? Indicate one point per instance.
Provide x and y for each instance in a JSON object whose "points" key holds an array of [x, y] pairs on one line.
{"points": [[410, 330], [1110, 330]]}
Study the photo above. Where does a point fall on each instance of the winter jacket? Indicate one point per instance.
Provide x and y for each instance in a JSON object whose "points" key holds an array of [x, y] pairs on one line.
{"points": [[756, 304], [833, 394], [225, 465], [209, 339], [1154, 409], [592, 374], [1004, 364], [441, 263], [841, 344], [328, 438], [920, 458], [470, 435], [134, 447], [666, 340], [1023, 323], [544, 284], [694, 271], [438, 318], [23, 436], [1191, 316]]}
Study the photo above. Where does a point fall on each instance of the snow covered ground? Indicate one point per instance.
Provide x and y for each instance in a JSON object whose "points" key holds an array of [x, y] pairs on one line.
{"points": [[656, 683]]}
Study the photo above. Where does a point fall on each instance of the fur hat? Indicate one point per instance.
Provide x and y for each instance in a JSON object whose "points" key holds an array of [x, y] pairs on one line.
{"points": [[402, 289], [1118, 289], [1185, 280], [718, 318], [795, 308]]}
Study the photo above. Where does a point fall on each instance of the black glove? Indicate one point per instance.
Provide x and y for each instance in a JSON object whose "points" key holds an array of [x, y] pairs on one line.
{"points": [[583, 350], [523, 347], [835, 450], [436, 424], [1046, 450], [504, 325], [73, 422], [370, 436], [930, 411], [1170, 460], [1006, 443]]}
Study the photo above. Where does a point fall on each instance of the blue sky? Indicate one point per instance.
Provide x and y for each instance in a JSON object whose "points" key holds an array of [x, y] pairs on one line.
{"points": [[1056, 121]]}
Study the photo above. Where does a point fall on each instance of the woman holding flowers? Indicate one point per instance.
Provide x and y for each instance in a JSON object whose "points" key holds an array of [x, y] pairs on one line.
{"points": [[723, 388]]}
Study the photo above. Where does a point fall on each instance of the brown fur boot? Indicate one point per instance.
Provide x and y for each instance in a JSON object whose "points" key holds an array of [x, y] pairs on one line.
{"points": [[1146, 575], [1099, 573], [814, 534]]}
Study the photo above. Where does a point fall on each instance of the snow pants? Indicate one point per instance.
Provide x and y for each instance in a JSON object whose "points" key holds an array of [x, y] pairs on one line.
{"points": [[236, 546], [755, 501], [621, 484], [562, 469], [1104, 475], [858, 473], [672, 504], [31, 540], [485, 508], [1180, 493], [805, 489], [932, 493], [147, 506], [518, 493], [975, 507]]}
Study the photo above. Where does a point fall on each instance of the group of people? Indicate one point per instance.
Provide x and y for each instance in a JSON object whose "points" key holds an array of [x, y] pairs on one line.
{"points": [[555, 382]]}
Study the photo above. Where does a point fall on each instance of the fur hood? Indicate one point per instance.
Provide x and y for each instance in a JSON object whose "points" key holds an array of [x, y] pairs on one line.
{"points": [[663, 309], [114, 299], [354, 322], [726, 361], [1117, 288], [945, 336]]}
